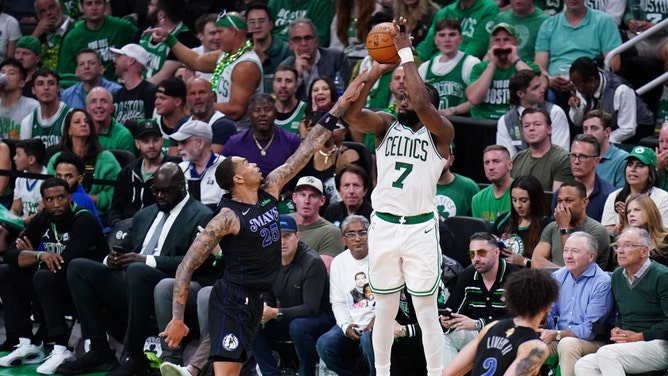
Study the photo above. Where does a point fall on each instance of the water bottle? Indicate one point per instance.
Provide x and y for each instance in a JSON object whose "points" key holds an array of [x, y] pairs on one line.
{"points": [[338, 82]]}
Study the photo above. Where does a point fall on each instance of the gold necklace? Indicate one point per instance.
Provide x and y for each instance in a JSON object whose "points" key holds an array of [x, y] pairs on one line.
{"points": [[263, 150], [326, 155]]}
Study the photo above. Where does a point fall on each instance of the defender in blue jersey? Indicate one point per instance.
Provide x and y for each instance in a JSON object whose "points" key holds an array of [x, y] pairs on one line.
{"points": [[248, 232]]}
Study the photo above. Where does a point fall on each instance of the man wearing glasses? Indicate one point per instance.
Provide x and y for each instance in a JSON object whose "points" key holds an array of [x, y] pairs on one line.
{"points": [[123, 283], [585, 156], [312, 61], [477, 298], [640, 289]]}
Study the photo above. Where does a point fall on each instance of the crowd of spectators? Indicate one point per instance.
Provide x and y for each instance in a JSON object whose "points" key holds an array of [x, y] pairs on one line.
{"points": [[133, 105]]}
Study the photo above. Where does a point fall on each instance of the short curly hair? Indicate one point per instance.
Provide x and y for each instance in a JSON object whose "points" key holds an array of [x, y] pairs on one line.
{"points": [[529, 292]]}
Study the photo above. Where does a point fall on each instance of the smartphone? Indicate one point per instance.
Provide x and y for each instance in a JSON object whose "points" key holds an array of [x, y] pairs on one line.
{"points": [[445, 313]]}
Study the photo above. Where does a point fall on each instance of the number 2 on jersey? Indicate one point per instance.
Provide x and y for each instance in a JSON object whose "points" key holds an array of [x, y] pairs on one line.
{"points": [[407, 168]]}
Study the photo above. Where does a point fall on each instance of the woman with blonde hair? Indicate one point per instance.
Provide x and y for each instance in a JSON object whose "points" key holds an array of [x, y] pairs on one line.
{"points": [[641, 211]]}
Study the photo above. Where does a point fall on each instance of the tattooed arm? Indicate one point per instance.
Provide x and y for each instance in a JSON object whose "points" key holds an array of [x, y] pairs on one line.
{"points": [[314, 141], [530, 356], [224, 223]]}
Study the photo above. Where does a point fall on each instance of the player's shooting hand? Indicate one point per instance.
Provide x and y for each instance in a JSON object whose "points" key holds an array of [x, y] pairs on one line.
{"points": [[174, 333], [402, 38]]}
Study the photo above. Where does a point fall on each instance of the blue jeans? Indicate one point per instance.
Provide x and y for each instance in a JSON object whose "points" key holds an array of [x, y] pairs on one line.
{"points": [[303, 332], [343, 355]]}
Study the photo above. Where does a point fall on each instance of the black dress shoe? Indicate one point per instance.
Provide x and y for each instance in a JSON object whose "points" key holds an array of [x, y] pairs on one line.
{"points": [[92, 361], [131, 365]]}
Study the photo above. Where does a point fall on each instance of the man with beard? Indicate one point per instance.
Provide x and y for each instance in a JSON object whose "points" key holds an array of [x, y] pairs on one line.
{"points": [[35, 271], [200, 99], [403, 245], [162, 62], [544, 160], [289, 110], [263, 143], [133, 191], [199, 161], [569, 216], [529, 296], [477, 298], [488, 91], [136, 99], [123, 283]]}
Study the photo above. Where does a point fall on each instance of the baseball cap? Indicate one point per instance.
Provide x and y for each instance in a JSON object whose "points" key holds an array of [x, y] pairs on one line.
{"points": [[193, 128], [644, 155], [134, 51], [146, 126], [507, 27], [30, 43], [311, 181], [288, 223], [173, 87]]}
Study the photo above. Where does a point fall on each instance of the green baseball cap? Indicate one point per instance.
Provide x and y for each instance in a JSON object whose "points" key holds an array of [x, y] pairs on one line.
{"points": [[30, 43], [507, 27], [644, 155]]}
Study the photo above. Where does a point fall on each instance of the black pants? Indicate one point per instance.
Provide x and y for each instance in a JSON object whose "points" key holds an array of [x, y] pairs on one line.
{"points": [[46, 291], [124, 295]]}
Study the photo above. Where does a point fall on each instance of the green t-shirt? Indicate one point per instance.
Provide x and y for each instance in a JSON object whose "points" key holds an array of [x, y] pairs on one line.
{"points": [[291, 124], [450, 86], [526, 29], [117, 136], [495, 103], [455, 198], [486, 206], [115, 32], [476, 21], [555, 165], [320, 12]]}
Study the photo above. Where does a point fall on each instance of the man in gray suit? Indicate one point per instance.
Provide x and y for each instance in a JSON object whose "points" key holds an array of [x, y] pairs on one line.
{"points": [[123, 283]]}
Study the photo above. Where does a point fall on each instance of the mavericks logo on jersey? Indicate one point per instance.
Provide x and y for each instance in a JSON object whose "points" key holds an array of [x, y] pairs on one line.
{"points": [[268, 217]]}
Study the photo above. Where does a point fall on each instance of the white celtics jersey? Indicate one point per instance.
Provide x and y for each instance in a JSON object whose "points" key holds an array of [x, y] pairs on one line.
{"points": [[408, 168], [223, 92]]}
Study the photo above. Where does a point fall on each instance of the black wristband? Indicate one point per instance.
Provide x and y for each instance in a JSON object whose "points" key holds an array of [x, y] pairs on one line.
{"points": [[516, 61], [329, 121]]}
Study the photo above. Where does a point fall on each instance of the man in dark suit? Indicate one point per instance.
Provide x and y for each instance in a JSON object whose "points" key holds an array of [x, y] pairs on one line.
{"points": [[123, 283]]}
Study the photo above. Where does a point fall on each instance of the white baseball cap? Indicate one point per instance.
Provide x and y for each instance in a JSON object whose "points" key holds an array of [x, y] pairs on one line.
{"points": [[134, 51], [311, 181]]}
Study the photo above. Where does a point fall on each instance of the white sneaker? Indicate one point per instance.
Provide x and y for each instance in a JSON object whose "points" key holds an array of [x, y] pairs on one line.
{"points": [[171, 369], [25, 353], [58, 356]]}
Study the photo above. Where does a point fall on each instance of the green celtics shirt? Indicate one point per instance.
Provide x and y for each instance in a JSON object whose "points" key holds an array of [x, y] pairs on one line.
{"points": [[291, 121], [115, 32], [455, 198], [48, 130], [476, 21], [526, 29], [551, 7], [11, 118], [450, 86], [320, 12], [158, 53], [486, 206], [495, 103]]}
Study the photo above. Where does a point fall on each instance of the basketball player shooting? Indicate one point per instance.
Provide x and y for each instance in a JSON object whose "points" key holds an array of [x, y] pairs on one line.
{"points": [[411, 152]]}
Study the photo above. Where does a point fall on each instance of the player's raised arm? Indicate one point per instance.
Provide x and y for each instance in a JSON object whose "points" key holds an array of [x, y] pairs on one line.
{"points": [[419, 97], [314, 141]]}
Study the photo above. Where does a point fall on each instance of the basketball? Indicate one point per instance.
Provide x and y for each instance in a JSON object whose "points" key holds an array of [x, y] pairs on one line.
{"points": [[380, 44]]}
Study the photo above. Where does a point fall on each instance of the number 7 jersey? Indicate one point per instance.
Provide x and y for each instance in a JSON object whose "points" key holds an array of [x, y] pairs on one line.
{"points": [[409, 166]]}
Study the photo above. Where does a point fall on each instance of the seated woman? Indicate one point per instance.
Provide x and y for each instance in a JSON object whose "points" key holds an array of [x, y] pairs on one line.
{"points": [[642, 212], [521, 227], [80, 137], [640, 178], [334, 155]]}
